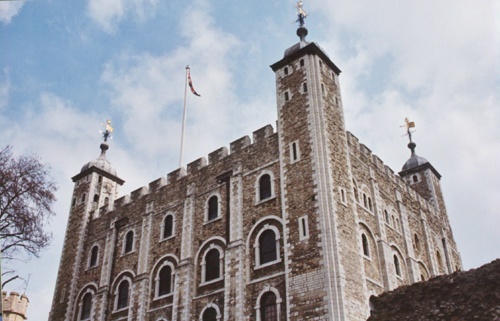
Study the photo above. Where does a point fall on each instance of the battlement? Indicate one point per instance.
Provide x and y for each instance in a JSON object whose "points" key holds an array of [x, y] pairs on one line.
{"points": [[363, 153], [219, 155], [14, 304]]}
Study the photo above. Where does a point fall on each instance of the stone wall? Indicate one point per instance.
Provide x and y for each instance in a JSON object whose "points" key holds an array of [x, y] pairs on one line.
{"points": [[461, 296]]}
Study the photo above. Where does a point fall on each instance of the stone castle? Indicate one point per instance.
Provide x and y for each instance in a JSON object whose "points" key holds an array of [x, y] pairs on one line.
{"points": [[296, 223]]}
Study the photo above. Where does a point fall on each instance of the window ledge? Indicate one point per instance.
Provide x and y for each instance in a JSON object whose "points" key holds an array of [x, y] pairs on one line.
{"points": [[267, 264], [128, 253], [166, 238], [211, 281], [120, 310], [163, 296], [265, 200], [214, 220]]}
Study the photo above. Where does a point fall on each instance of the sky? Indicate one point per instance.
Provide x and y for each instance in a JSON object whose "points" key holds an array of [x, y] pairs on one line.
{"points": [[68, 66]]}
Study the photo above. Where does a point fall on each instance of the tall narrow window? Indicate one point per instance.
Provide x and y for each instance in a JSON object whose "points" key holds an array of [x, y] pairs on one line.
{"points": [[165, 280], [415, 178], [294, 152], [322, 89], [123, 294], [342, 196], [86, 306], [396, 265], [93, 256], [268, 307], [370, 207], [213, 208], [287, 97], [303, 228], [265, 187], [83, 197], [129, 242], [168, 223], [286, 71], [386, 215], [416, 243], [366, 247], [210, 314], [267, 247], [74, 202], [304, 87], [212, 265], [302, 62], [365, 201]]}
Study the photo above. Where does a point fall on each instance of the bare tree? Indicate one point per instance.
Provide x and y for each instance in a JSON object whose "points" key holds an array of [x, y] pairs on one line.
{"points": [[26, 198]]}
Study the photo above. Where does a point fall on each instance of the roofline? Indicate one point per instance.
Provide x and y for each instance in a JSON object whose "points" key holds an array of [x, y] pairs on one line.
{"points": [[99, 171], [311, 48], [420, 168]]}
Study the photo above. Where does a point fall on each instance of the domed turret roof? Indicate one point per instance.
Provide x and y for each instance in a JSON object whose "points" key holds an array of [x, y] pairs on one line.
{"points": [[414, 160], [101, 162]]}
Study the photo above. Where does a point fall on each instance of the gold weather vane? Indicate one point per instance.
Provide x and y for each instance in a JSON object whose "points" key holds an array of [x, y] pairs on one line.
{"points": [[108, 131], [408, 124], [300, 13]]}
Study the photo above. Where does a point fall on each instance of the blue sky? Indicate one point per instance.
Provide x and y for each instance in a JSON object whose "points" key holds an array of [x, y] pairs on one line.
{"points": [[66, 67]]}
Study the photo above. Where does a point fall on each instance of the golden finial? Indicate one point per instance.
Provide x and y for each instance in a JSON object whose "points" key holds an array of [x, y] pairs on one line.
{"points": [[108, 130]]}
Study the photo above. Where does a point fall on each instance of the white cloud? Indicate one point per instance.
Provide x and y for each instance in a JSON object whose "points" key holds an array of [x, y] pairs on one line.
{"points": [[108, 14], [9, 9]]}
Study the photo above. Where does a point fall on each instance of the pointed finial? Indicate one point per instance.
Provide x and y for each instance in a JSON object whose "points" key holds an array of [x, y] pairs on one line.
{"points": [[108, 131]]}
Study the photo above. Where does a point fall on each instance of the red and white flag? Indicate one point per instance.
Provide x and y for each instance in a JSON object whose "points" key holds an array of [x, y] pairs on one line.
{"points": [[190, 82]]}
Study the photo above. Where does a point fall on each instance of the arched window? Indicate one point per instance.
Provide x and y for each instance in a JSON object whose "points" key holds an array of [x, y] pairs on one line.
{"points": [[122, 295], [129, 242], [370, 204], [265, 190], [366, 246], [386, 216], [397, 267], [86, 306], [210, 314], [304, 87], [213, 208], [302, 62], [165, 280], [83, 197], [94, 253], [415, 178], [212, 265], [268, 307], [416, 243], [439, 261], [267, 247], [286, 71], [365, 201], [168, 224], [355, 189]]}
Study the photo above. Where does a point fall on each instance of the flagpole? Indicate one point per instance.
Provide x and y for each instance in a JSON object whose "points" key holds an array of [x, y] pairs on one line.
{"points": [[183, 118]]}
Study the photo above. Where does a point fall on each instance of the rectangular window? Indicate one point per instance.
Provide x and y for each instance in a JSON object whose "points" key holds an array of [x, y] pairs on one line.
{"points": [[294, 152], [303, 228]]}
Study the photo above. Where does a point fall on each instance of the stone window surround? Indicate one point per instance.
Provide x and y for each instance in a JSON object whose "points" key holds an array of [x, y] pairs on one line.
{"points": [[257, 187], [256, 246], [208, 306], [297, 152], [266, 289], [89, 262], [87, 289], [123, 278], [163, 227], [219, 206], [166, 262], [221, 265], [303, 227], [124, 242]]}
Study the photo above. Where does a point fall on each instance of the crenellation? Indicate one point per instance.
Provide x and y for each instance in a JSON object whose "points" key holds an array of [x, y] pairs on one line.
{"points": [[217, 155], [239, 144], [196, 165], [122, 201], [138, 193], [157, 184], [262, 133], [176, 175]]}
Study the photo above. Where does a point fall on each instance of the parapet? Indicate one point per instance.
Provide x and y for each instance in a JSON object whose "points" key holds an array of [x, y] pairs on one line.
{"points": [[14, 304], [262, 133], [239, 144]]}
